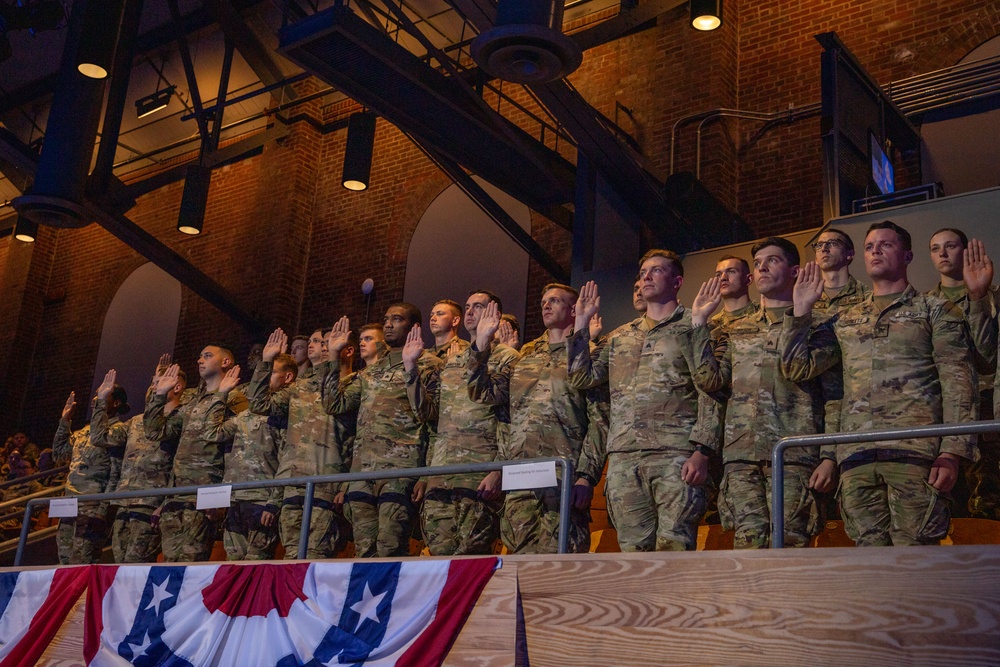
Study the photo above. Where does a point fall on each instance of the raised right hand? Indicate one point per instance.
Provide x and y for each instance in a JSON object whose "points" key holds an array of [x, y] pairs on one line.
{"points": [[489, 322], [67, 410], [587, 305], [808, 289], [339, 337], [230, 380], [277, 343], [708, 299], [167, 381], [107, 386]]}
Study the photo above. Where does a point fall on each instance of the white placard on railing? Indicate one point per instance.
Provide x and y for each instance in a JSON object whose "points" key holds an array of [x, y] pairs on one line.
{"points": [[63, 508], [216, 496], [529, 476]]}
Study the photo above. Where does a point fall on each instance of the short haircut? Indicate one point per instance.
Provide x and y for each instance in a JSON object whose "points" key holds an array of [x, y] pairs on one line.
{"points": [[904, 236], [353, 341], [669, 255], [412, 312], [844, 236], [565, 288], [493, 297], [226, 349], [302, 337], [285, 363], [371, 326], [452, 304], [182, 376], [743, 262], [514, 324], [957, 232], [789, 249]]}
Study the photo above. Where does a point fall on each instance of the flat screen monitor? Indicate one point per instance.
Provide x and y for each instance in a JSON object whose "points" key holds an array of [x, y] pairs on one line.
{"points": [[882, 172]]}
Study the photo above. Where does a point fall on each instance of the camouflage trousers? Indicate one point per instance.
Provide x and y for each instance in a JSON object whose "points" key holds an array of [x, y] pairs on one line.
{"points": [[186, 534], [653, 508], [81, 540], [327, 532], [133, 537], [530, 523], [245, 538], [382, 515], [890, 503], [745, 506], [457, 522], [983, 478]]}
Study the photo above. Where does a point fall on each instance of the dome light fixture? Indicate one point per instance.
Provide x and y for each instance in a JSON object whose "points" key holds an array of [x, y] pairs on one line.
{"points": [[706, 14]]}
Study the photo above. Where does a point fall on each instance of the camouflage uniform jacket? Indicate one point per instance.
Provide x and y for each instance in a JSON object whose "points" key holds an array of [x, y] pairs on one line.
{"points": [[147, 464], [394, 409], [466, 430], [197, 427], [548, 415], [853, 293], [908, 365], [982, 319], [91, 469], [312, 446], [441, 351], [253, 442], [721, 320], [655, 404], [764, 406]]}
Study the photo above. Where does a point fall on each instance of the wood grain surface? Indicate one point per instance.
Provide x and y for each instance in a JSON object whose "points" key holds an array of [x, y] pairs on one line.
{"points": [[834, 606], [914, 606]]}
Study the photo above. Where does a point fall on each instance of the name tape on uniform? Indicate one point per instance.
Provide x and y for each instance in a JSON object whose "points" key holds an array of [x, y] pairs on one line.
{"points": [[529, 476], [63, 508], [216, 496]]}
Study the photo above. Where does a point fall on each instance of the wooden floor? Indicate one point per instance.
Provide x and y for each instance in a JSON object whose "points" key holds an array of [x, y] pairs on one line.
{"points": [[833, 606]]}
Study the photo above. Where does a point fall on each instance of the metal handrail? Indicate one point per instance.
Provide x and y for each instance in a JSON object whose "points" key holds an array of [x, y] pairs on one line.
{"points": [[33, 476], [821, 439], [20, 500], [566, 486]]}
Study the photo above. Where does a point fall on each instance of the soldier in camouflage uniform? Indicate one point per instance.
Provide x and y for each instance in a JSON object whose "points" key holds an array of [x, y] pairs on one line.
{"points": [[763, 406], [548, 417], [966, 274], [300, 352], [371, 344], [663, 429], [80, 540], [734, 286], [252, 445], [315, 444], [396, 400], [907, 362], [445, 318], [461, 512], [146, 464], [188, 534]]}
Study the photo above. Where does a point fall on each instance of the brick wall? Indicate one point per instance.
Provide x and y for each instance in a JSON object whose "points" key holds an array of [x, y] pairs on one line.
{"points": [[293, 246]]}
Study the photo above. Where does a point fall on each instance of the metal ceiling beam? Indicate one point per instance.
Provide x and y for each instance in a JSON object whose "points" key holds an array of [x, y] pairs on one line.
{"points": [[100, 177], [189, 73], [628, 19], [492, 208], [250, 47], [174, 264], [149, 41], [146, 244]]}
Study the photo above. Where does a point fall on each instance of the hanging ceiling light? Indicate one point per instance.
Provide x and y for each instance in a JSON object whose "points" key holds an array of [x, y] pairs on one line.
{"points": [[25, 230], [358, 152], [102, 19], [706, 14], [154, 102], [194, 201]]}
